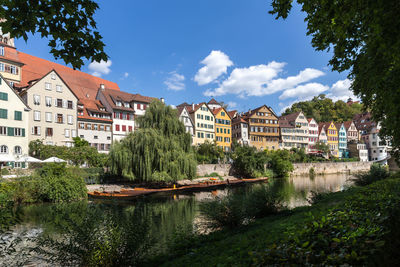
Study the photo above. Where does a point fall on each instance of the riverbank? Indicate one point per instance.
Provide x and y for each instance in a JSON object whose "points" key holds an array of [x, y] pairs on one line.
{"points": [[365, 217]]}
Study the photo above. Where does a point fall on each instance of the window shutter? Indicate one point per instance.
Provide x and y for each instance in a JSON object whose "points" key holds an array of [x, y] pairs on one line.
{"points": [[33, 130], [55, 102], [63, 118], [23, 132], [55, 117], [10, 131], [23, 165], [64, 103], [39, 131]]}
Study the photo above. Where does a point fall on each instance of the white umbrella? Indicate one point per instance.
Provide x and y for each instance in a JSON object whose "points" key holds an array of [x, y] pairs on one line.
{"points": [[53, 159], [28, 159], [6, 157]]}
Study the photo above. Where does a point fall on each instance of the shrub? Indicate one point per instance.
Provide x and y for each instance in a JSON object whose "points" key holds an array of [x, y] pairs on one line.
{"points": [[228, 211], [280, 162], [377, 172], [60, 188], [364, 230], [4, 171], [263, 201], [248, 162]]}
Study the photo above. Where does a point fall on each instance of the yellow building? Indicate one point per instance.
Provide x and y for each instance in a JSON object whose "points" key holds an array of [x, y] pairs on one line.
{"points": [[223, 128], [333, 137]]}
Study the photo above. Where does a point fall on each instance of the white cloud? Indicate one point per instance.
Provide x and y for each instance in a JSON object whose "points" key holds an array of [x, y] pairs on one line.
{"points": [[175, 81], [304, 91], [216, 64], [261, 80], [341, 91], [126, 74], [100, 68], [232, 104]]}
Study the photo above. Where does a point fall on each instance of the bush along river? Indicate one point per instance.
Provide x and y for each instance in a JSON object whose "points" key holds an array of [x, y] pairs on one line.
{"points": [[128, 232]]}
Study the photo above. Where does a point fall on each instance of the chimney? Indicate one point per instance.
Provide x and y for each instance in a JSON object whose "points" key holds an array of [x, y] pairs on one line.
{"points": [[162, 100], [193, 106], [102, 87]]}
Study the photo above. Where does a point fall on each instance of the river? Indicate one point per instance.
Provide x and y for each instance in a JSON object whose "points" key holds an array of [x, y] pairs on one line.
{"points": [[154, 219]]}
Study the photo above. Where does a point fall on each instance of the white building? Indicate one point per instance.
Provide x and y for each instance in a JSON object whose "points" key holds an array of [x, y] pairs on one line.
{"points": [[240, 130], [294, 131], [95, 124], [14, 117], [312, 134], [185, 118], [53, 117]]}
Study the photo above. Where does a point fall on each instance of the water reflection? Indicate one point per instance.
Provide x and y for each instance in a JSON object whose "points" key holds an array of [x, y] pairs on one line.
{"points": [[164, 214]]}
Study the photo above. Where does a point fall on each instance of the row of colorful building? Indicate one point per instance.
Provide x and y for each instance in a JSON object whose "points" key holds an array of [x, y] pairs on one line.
{"points": [[44, 100], [263, 129]]}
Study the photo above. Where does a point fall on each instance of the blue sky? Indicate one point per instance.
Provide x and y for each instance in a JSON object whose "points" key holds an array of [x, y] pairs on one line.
{"points": [[246, 57]]}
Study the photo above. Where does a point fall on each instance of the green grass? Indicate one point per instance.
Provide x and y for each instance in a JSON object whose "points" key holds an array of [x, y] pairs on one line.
{"points": [[232, 247]]}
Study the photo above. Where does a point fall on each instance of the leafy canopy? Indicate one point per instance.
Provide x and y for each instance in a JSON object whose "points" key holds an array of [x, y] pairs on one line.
{"points": [[159, 151], [322, 108], [69, 25], [365, 39]]}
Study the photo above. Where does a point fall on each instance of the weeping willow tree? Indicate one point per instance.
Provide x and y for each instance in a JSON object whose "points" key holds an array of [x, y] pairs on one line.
{"points": [[159, 151]]}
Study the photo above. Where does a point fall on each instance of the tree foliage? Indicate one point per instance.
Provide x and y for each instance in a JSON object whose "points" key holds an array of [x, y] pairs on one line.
{"points": [[69, 25], [159, 151], [209, 152], [365, 39], [322, 108], [79, 154]]}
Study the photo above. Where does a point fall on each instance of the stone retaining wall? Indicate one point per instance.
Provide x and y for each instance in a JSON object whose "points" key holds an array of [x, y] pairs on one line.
{"points": [[299, 168], [330, 167]]}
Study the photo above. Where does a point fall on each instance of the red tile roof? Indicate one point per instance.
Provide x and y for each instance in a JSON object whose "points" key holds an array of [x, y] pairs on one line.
{"points": [[114, 95], [93, 106], [232, 113], [10, 53], [82, 84], [213, 101]]}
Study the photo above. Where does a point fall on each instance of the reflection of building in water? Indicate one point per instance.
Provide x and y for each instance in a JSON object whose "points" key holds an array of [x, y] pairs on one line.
{"points": [[201, 196]]}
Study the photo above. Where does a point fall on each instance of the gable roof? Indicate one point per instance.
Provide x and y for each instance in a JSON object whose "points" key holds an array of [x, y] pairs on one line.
{"points": [[251, 112], [290, 117], [9, 86], [326, 125], [338, 125], [92, 105], [232, 113], [347, 124], [215, 111], [113, 95], [213, 101], [180, 110], [82, 84], [23, 91]]}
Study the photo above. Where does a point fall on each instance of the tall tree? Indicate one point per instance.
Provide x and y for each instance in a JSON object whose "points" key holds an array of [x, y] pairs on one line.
{"points": [[365, 38], [69, 25], [159, 151]]}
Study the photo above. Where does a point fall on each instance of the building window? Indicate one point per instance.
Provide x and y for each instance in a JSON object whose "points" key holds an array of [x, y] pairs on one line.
{"points": [[73, 133], [13, 69], [59, 88], [36, 99], [3, 130], [48, 101], [95, 127], [70, 119], [18, 115], [49, 116], [124, 128], [17, 150], [53, 76], [18, 132], [2, 67], [3, 149], [66, 132], [88, 126], [36, 130], [59, 103], [108, 128], [60, 118], [47, 86], [49, 131], [3, 96], [96, 137], [101, 127], [70, 104], [36, 115], [1, 50], [130, 128], [81, 125], [117, 127]]}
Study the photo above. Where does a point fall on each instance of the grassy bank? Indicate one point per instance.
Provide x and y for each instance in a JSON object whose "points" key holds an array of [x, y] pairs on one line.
{"points": [[356, 226]]}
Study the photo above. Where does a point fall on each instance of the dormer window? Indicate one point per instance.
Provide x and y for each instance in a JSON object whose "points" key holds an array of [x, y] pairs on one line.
{"points": [[126, 104], [119, 103]]}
